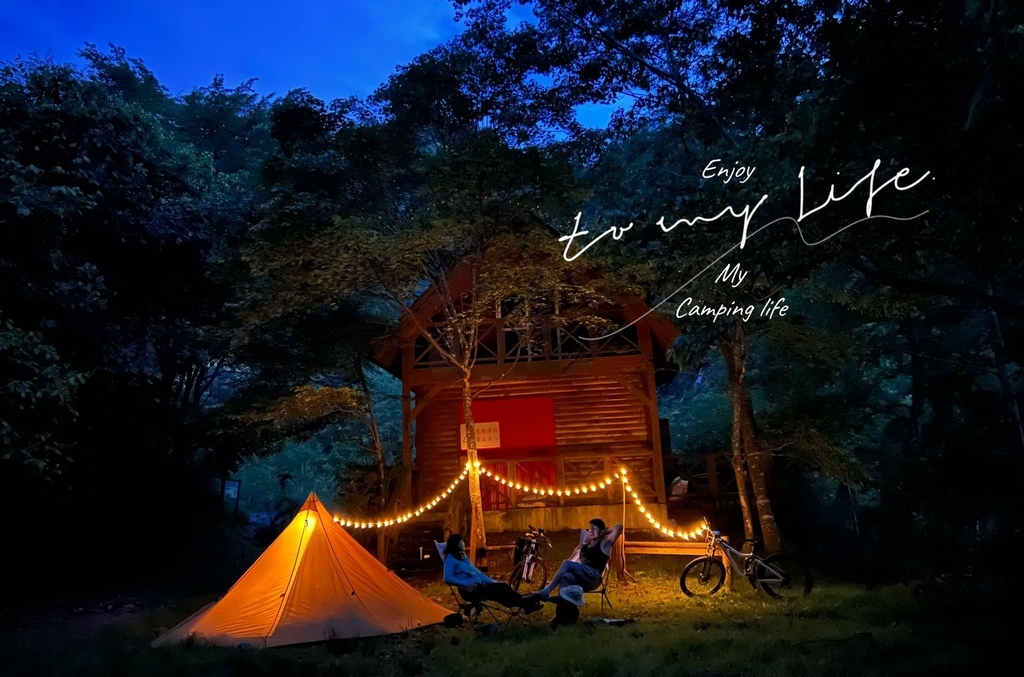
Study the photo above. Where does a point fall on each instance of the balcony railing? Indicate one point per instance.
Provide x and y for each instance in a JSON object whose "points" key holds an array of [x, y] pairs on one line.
{"points": [[544, 340]]}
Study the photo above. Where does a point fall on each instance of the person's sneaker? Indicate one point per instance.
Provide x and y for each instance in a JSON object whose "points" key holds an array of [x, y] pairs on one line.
{"points": [[532, 607]]}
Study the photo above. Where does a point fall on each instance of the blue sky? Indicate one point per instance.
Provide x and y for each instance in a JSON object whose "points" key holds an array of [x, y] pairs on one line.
{"points": [[334, 49]]}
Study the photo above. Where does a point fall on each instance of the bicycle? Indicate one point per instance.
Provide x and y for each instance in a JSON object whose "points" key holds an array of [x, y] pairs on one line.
{"points": [[529, 574], [779, 575]]}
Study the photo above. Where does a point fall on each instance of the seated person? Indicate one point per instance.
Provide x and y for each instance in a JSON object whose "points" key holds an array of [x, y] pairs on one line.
{"points": [[586, 565], [475, 585]]}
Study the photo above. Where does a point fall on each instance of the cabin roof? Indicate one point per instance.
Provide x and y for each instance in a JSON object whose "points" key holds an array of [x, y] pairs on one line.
{"points": [[387, 351]]}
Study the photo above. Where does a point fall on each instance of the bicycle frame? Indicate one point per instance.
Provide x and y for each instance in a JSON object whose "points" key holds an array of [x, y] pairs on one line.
{"points": [[740, 561], [531, 555], [529, 566]]}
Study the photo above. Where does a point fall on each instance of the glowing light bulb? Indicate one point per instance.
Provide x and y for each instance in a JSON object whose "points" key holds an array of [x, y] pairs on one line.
{"points": [[607, 480], [576, 490], [559, 492], [584, 490]]}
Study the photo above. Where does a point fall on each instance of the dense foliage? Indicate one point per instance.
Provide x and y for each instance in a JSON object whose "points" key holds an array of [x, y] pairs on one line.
{"points": [[191, 283]]}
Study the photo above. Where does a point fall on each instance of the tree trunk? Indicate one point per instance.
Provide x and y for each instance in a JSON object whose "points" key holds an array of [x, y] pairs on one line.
{"points": [[758, 464], [746, 449], [477, 535], [371, 425], [739, 466], [1010, 408], [918, 376]]}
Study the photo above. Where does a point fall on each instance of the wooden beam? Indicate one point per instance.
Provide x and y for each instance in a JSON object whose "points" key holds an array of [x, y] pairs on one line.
{"points": [[686, 548], [499, 328], [652, 410], [484, 374], [639, 394], [422, 402], [666, 548], [712, 468], [406, 408]]}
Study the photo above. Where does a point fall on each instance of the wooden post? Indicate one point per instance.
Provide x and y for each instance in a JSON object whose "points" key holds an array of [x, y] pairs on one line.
{"points": [[617, 561], [407, 358], [711, 463], [727, 563], [560, 477], [653, 423], [499, 328]]}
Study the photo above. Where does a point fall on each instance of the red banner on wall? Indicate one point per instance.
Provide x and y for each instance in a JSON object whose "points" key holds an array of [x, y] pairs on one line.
{"points": [[526, 425]]}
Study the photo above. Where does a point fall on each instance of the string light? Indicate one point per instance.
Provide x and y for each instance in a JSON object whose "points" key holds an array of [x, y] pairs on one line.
{"points": [[401, 519], [694, 534], [622, 475], [558, 491]]}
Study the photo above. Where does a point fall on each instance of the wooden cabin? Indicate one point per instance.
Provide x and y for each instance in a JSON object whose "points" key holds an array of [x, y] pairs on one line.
{"points": [[563, 411]]}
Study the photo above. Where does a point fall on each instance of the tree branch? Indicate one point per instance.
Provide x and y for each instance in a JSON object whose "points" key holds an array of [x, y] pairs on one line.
{"points": [[961, 292], [677, 80]]}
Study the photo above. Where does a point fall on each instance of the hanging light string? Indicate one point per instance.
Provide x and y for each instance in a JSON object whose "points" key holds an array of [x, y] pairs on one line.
{"points": [[547, 491], [694, 534], [380, 523], [622, 475]]}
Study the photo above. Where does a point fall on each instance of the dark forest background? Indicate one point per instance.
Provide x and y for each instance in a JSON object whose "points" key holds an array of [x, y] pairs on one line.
{"points": [[190, 286]]}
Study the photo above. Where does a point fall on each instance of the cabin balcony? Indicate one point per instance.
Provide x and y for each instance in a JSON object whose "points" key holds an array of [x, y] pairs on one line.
{"points": [[544, 340]]}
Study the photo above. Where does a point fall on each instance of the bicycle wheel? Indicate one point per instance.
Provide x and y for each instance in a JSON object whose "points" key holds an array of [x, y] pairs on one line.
{"points": [[525, 585], [702, 576], [796, 581]]}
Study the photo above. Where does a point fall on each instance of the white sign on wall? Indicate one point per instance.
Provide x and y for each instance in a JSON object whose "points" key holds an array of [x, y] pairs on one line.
{"points": [[488, 436]]}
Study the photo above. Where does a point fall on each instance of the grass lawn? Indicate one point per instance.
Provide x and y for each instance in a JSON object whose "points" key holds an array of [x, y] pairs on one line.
{"points": [[839, 629]]}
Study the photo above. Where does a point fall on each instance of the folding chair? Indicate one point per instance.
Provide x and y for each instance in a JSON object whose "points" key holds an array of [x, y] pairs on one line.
{"points": [[473, 609], [602, 589]]}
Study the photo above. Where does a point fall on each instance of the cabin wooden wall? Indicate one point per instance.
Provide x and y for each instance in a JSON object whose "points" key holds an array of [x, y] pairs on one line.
{"points": [[600, 424]]}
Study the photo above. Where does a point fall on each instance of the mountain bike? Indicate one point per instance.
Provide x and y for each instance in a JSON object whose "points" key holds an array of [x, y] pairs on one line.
{"points": [[778, 575], [529, 573]]}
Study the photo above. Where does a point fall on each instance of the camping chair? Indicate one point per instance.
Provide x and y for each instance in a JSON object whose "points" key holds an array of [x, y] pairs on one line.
{"points": [[601, 589], [473, 609]]}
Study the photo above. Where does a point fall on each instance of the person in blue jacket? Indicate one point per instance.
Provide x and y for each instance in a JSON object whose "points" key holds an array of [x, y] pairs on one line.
{"points": [[476, 586]]}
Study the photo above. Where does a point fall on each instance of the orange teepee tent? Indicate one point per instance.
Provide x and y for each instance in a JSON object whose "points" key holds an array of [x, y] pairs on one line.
{"points": [[313, 583]]}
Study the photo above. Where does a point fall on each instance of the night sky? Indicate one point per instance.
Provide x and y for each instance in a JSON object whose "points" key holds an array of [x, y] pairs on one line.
{"points": [[333, 49]]}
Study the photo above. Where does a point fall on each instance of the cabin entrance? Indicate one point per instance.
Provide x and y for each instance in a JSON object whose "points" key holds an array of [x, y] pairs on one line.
{"points": [[533, 473]]}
